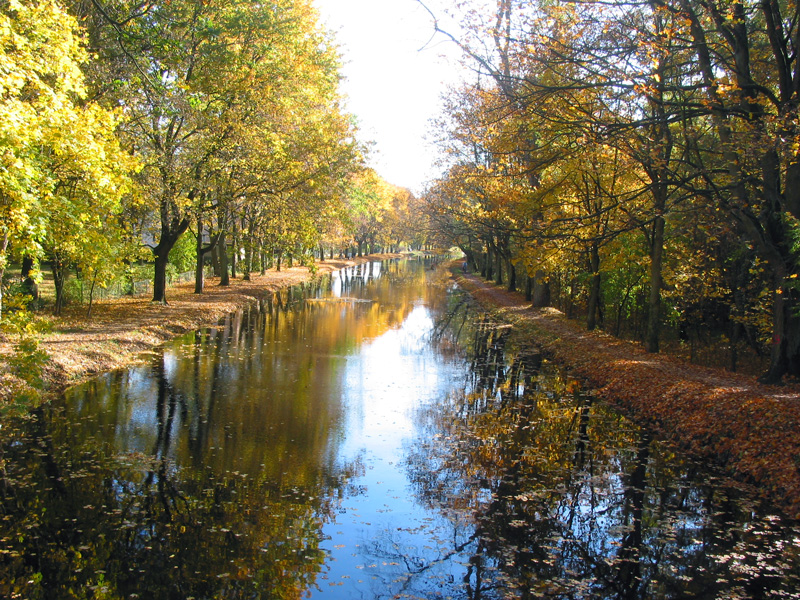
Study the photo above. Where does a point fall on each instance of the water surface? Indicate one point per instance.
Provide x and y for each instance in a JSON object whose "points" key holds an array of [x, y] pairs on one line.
{"points": [[372, 435]]}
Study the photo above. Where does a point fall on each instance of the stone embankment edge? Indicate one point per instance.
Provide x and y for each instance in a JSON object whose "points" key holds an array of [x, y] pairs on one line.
{"points": [[748, 431]]}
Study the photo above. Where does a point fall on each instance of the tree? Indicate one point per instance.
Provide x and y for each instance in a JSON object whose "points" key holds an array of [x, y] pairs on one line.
{"points": [[369, 198], [699, 97], [746, 64], [199, 79], [90, 176], [58, 150]]}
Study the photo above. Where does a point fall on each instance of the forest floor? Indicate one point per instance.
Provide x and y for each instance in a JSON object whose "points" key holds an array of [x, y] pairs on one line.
{"points": [[749, 430], [121, 332]]}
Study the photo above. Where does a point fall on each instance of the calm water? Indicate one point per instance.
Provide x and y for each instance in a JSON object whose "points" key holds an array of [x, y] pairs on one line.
{"points": [[371, 436]]}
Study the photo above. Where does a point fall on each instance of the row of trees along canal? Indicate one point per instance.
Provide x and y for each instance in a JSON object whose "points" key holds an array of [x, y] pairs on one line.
{"points": [[128, 123], [640, 159]]}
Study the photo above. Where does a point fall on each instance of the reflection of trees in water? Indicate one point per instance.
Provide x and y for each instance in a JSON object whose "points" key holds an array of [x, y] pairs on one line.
{"points": [[570, 500], [235, 516], [228, 492], [79, 523], [201, 511]]}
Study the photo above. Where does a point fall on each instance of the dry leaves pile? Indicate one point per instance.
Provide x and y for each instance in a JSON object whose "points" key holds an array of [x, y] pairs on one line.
{"points": [[750, 430]]}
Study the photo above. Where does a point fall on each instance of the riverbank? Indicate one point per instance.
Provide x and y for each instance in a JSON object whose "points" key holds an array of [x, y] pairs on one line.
{"points": [[121, 332], [749, 430]]}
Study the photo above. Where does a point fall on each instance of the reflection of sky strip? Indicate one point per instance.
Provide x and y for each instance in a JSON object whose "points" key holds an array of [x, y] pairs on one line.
{"points": [[390, 377]]}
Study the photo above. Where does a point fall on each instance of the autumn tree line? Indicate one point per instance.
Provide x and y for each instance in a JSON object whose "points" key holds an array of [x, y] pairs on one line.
{"points": [[639, 161], [133, 130]]}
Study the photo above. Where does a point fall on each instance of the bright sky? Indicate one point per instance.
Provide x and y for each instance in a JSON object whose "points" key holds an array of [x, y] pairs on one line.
{"points": [[393, 87]]}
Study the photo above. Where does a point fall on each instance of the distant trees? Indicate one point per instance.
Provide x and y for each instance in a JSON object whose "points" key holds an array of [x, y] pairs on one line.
{"points": [[664, 132]]}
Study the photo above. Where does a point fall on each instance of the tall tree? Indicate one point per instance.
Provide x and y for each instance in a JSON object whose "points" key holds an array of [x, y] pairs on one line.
{"points": [[748, 66]]}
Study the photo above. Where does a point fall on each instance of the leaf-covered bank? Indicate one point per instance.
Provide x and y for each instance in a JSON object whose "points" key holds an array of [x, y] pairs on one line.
{"points": [[750, 430], [120, 332]]}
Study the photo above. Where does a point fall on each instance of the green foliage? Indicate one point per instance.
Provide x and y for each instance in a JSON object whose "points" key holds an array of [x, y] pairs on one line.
{"points": [[793, 227], [183, 254], [61, 165], [28, 360]]}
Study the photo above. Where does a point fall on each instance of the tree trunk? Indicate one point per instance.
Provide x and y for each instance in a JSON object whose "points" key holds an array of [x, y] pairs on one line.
{"points": [[91, 295], [248, 261], [654, 304], [27, 267], [60, 274], [512, 276], [262, 254], [3, 248], [215, 261], [234, 255], [199, 275], [160, 277], [785, 350], [541, 290], [29, 286], [171, 230], [528, 287], [594, 288], [198, 269], [222, 252]]}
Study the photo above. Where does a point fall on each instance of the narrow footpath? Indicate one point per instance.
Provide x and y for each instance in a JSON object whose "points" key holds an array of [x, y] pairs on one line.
{"points": [[751, 431]]}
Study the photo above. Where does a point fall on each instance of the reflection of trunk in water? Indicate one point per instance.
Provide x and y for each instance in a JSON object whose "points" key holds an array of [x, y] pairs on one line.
{"points": [[475, 571], [47, 452], [166, 404], [582, 442], [442, 325], [511, 392], [165, 411], [628, 575], [491, 374], [488, 365], [506, 508], [197, 430], [204, 403]]}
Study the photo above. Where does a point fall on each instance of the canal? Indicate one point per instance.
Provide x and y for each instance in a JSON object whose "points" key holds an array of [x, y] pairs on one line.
{"points": [[370, 435]]}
